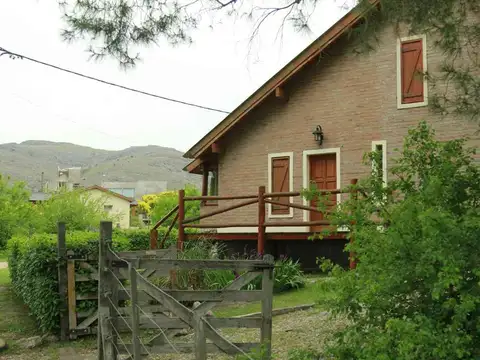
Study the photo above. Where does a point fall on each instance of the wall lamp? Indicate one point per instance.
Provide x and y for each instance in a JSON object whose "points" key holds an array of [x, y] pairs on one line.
{"points": [[318, 134]]}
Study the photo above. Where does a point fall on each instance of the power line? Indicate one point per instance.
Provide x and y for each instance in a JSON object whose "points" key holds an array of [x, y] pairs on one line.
{"points": [[3, 51]]}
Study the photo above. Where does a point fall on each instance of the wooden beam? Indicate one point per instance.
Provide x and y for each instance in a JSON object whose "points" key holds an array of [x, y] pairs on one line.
{"points": [[193, 167], [280, 94], [216, 149]]}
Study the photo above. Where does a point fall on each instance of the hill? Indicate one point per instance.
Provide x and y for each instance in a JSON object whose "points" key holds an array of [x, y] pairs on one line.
{"points": [[26, 161]]}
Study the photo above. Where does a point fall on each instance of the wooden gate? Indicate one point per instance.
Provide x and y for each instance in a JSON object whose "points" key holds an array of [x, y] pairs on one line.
{"points": [[124, 288]]}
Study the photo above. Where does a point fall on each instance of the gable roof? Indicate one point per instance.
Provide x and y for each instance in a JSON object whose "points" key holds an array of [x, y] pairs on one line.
{"points": [[281, 77], [113, 193]]}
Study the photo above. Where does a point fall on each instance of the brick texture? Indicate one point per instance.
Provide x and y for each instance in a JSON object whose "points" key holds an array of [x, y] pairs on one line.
{"points": [[352, 96]]}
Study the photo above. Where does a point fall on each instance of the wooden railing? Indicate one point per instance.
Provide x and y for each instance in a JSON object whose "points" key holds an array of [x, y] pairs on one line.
{"points": [[261, 198]]}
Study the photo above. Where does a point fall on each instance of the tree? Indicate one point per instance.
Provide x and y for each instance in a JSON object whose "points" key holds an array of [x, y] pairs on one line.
{"points": [[76, 208], [117, 28], [157, 206], [15, 209], [415, 293]]}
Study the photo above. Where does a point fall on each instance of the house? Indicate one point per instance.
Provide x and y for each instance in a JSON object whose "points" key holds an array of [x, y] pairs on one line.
{"points": [[135, 189], [117, 205], [352, 102]]}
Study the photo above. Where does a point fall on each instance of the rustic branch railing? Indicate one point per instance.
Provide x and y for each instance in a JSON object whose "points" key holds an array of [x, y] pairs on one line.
{"points": [[171, 314]]}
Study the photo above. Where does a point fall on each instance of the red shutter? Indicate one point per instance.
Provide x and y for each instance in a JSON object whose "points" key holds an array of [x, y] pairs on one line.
{"points": [[412, 71], [281, 183]]}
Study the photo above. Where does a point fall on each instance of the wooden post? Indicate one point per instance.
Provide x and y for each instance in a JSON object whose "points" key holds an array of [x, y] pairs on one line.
{"points": [[106, 350], [200, 339], [267, 306], [261, 221], [204, 182], [181, 217], [135, 313], [62, 279], [153, 239], [71, 295], [354, 195]]}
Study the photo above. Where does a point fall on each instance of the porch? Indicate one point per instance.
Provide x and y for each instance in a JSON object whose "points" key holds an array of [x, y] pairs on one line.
{"points": [[261, 235]]}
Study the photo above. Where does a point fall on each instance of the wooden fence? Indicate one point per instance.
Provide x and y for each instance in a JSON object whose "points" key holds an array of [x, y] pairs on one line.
{"points": [[75, 270], [261, 198], [169, 314]]}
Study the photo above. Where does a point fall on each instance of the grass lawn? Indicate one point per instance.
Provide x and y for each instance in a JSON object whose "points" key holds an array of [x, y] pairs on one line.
{"points": [[3, 256], [311, 293]]}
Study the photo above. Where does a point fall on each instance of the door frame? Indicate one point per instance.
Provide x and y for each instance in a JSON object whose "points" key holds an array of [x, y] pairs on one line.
{"points": [[306, 174]]}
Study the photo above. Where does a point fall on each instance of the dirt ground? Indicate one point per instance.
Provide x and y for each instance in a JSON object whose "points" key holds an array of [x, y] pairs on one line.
{"points": [[304, 329]]}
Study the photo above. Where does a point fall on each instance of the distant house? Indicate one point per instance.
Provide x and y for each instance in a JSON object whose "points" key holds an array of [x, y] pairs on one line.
{"points": [[135, 189], [115, 204]]}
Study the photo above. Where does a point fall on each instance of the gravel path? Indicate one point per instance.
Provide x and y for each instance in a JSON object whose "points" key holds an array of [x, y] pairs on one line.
{"points": [[3, 265]]}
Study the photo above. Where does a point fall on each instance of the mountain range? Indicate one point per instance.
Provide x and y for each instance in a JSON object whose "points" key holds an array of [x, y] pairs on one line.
{"points": [[27, 161]]}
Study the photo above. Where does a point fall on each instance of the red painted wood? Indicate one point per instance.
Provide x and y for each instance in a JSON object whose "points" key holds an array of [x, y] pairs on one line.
{"points": [[280, 183], [323, 173], [261, 221], [412, 71]]}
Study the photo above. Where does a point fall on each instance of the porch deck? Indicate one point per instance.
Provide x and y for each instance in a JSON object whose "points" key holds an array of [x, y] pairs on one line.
{"points": [[299, 245]]}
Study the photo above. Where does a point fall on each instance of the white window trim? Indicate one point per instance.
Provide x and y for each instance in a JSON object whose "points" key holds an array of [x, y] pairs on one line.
{"points": [[384, 158], [399, 72], [290, 170], [306, 176]]}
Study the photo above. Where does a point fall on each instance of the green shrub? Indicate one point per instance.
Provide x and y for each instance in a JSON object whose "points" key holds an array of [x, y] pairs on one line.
{"points": [[33, 270], [288, 275]]}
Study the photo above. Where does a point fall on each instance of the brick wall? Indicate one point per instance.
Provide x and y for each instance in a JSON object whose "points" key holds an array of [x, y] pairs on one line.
{"points": [[353, 98]]}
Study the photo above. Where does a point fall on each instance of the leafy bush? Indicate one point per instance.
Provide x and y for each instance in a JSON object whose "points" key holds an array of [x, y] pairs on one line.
{"points": [[33, 270], [415, 293], [158, 205], [15, 210], [140, 238]]}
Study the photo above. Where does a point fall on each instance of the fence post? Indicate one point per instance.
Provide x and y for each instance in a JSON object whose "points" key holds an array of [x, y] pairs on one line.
{"points": [[181, 217], [71, 294], [62, 279], [200, 339], [153, 239], [261, 221], [267, 306], [135, 314], [105, 340], [354, 195]]}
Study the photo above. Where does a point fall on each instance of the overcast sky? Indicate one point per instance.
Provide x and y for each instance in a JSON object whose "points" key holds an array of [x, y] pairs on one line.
{"points": [[217, 70]]}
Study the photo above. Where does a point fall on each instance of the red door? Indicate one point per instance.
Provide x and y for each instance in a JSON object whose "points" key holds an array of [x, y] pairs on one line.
{"points": [[323, 173]]}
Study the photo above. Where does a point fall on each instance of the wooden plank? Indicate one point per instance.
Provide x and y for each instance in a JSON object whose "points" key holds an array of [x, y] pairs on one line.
{"points": [[86, 277], [153, 322], [135, 315], [236, 284], [218, 226], [200, 339], [62, 279], [207, 198], [186, 348], [250, 322], [72, 301], [165, 265], [187, 315], [267, 306], [155, 254], [220, 211], [89, 320], [217, 295], [104, 343]]}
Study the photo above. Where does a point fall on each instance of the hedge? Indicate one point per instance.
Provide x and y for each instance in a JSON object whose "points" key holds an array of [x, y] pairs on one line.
{"points": [[33, 268]]}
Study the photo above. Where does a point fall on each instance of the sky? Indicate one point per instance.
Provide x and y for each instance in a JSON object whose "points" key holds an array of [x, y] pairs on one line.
{"points": [[218, 70]]}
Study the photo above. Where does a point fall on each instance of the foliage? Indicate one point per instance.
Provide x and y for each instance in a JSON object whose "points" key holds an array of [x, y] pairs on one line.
{"points": [[140, 238], [415, 293], [77, 208], [166, 201], [15, 210], [33, 270]]}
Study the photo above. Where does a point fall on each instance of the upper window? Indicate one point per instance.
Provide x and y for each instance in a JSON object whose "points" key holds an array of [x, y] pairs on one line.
{"points": [[213, 182], [411, 69], [280, 180]]}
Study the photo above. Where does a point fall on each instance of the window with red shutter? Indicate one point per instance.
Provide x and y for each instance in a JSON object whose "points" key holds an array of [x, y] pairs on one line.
{"points": [[280, 183], [412, 69]]}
